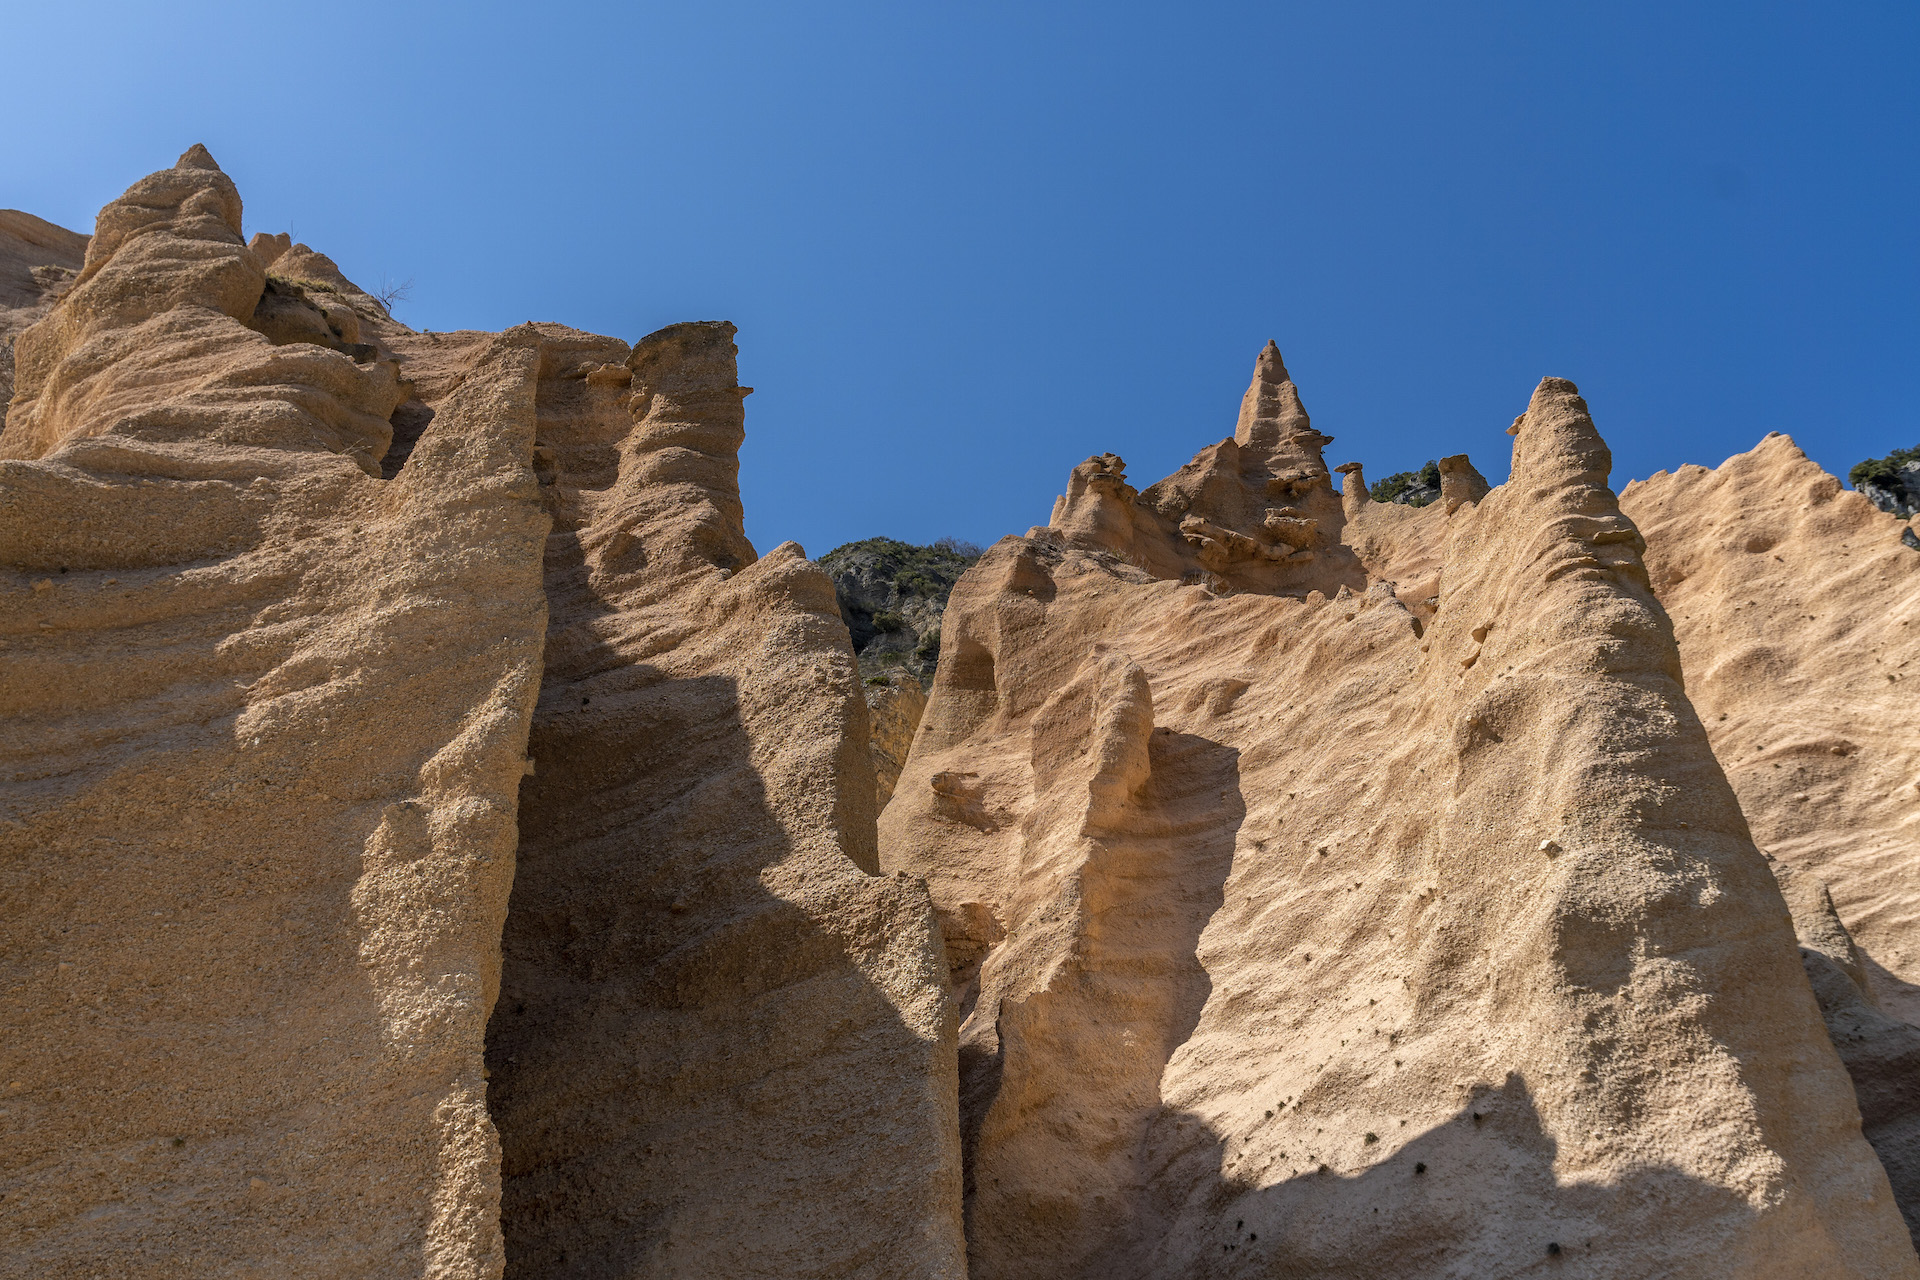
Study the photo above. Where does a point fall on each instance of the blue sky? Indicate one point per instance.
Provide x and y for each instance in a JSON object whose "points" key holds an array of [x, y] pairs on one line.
{"points": [[969, 245]]}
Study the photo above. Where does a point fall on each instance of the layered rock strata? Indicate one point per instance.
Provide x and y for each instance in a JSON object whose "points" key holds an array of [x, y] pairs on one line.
{"points": [[311, 621], [1327, 899]]}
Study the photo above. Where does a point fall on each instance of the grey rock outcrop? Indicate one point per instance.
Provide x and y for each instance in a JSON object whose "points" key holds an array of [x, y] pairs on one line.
{"points": [[892, 595]]}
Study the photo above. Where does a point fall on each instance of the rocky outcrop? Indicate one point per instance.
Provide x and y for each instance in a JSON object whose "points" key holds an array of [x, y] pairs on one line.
{"points": [[312, 622], [891, 596], [257, 915], [1410, 488], [1797, 614], [1302, 928], [1891, 483], [1882, 1053], [895, 703], [38, 262]]}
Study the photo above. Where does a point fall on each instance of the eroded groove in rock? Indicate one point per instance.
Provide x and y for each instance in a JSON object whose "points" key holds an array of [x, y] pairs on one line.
{"points": [[723, 1045], [266, 724], [1487, 972]]}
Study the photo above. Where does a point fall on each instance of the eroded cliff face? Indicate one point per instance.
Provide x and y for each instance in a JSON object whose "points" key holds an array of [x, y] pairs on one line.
{"points": [[1341, 888], [38, 262], [311, 621], [1796, 605], [267, 723]]}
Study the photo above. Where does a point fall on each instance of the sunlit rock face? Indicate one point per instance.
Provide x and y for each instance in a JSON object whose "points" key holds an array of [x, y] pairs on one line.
{"points": [[1350, 889], [336, 654]]}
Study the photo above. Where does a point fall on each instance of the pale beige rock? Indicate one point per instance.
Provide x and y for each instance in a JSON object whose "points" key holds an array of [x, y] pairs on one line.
{"points": [[724, 1046], [38, 262], [895, 703], [1796, 605], [1294, 940], [1797, 611], [278, 617], [266, 727]]}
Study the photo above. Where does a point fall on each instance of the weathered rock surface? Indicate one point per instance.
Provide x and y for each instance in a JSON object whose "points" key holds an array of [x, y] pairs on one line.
{"points": [[895, 703], [1796, 606], [1300, 929], [280, 645], [38, 262], [724, 1046], [1797, 612], [1881, 1052], [267, 718]]}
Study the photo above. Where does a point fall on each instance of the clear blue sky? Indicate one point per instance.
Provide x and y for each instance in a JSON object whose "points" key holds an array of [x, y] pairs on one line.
{"points": [[969, 245]]}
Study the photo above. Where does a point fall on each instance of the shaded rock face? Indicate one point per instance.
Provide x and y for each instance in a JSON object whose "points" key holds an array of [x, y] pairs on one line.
{"points": [[312, 622], [895, 703], [1891, 483], [892, 595], [1881, 1052], [1342, 888], [706, 985]]}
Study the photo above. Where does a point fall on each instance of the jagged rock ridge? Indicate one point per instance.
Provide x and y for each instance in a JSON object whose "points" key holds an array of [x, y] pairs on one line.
{"points": [[1325, 899]]}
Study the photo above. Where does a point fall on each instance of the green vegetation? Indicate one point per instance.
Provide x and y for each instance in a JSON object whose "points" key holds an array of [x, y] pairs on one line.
{"points": [[1882, 471], [1395, 485], [928, 572], [295, 287]]}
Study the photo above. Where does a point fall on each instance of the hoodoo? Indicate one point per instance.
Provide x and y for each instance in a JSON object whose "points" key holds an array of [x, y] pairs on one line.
{"points": [[1351, 890]]}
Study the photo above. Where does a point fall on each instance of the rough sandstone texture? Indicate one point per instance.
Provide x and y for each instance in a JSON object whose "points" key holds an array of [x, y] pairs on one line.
{"points": [[895, 703], [276, 592], [267, 721], [1346, 891], [38, 262], [1796, 605], [724, 1045]]}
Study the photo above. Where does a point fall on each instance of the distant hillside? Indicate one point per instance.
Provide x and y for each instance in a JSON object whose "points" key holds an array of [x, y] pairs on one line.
{"points": [[892, 595]]}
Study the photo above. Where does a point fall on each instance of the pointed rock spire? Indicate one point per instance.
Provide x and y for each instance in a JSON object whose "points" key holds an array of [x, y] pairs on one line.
{"points": [[197, 157], [1270, 412]]}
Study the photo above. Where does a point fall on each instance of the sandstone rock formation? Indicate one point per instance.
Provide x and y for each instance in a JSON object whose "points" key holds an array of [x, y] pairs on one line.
{"points": [[895, 703], [723, 1045], [273, 684], [267, 722], [38, 262], [435, 842], [1796, 605], [1339, 888]]}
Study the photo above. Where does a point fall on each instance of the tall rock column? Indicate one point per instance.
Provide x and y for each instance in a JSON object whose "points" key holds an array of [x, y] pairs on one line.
{"points": [[724, 1045]]}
